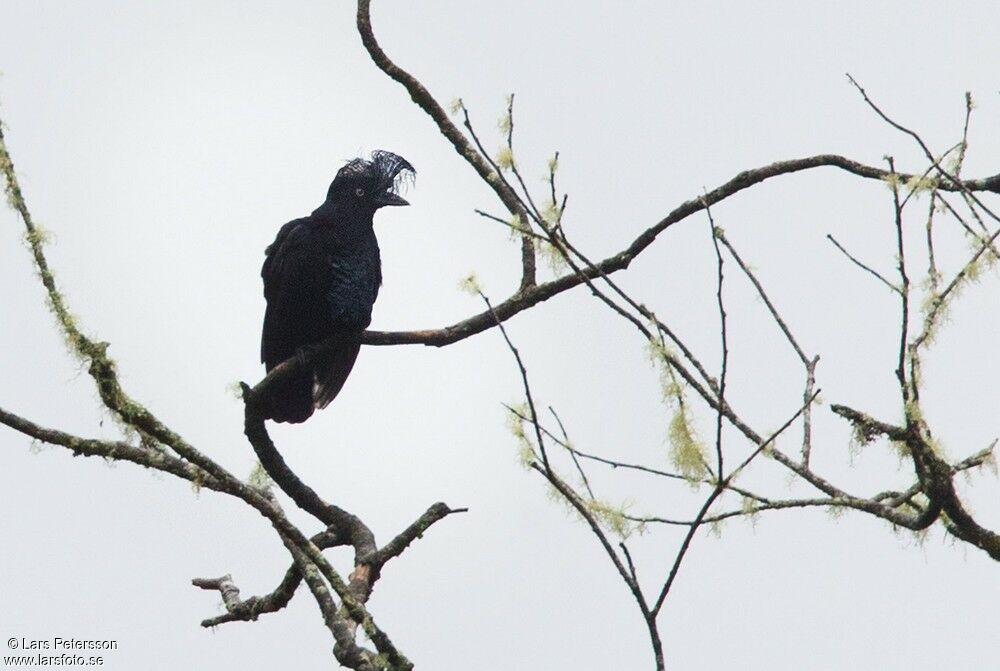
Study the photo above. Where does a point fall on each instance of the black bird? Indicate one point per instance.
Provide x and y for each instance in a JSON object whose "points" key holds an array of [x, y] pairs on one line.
{"points": [[321, 276]]}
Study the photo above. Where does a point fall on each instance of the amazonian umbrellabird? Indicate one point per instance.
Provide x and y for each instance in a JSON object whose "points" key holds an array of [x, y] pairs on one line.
{"points": [[321, 276]]}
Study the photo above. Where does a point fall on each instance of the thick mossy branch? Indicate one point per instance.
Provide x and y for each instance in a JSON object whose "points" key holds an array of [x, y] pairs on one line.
{"points": [[81, 346], [251, 608], [397, 545], [113, 450], [302, 494]]}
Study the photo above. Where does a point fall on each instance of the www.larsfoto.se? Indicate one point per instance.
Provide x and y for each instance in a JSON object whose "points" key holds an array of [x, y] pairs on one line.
{"points": [[42, 660]]}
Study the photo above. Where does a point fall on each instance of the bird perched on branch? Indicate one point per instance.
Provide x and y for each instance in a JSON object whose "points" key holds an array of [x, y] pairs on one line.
{"points": [[321, 276]]}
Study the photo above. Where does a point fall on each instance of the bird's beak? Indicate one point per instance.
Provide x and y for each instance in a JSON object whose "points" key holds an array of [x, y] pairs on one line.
{"points": [[389, 198]]}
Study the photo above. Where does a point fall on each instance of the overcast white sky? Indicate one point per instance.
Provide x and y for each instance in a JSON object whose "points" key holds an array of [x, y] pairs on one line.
{"points": [[163, 144]]}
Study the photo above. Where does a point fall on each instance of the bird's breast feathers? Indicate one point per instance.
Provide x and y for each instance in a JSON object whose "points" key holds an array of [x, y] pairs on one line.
{"points": [[354, 280]]}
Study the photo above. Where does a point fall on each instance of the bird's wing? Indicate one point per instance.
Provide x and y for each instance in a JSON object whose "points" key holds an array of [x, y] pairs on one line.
{"points": [[286, 279], [354, 279], [277, 253]]}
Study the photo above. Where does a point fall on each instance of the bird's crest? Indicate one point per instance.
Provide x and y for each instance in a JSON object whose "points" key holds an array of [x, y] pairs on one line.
{"points": [[390, 172]]}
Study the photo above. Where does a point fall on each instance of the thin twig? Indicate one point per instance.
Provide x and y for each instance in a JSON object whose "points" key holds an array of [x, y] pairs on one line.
{"points": [[861, 265]]}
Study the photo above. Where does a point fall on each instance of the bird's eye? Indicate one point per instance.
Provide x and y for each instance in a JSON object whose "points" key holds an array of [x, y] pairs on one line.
{"points": [[359, 192]]}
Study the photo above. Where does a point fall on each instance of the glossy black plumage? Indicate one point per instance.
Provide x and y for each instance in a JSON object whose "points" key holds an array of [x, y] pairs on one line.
{"points": [[321, 277]]}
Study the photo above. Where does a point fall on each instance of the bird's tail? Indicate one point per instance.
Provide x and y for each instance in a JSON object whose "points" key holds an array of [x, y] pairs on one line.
{"points": [[294, 398], [332, 370], [291, 400]]}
